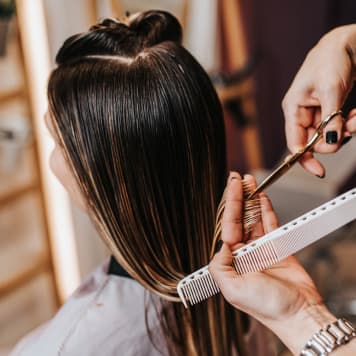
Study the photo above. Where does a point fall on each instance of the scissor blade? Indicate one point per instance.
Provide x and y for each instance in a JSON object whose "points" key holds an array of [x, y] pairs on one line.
{"points": [[277, 173]]}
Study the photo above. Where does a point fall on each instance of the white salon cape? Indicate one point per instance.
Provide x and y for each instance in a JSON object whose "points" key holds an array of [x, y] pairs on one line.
{"points": [[106, 317]]}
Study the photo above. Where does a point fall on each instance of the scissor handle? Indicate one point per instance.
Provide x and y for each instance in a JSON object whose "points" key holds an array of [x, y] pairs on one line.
{"points": [[319, 131], [328, 119]]}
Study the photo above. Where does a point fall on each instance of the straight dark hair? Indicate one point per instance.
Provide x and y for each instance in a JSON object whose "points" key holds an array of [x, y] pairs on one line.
{"points": [[142, 128]]}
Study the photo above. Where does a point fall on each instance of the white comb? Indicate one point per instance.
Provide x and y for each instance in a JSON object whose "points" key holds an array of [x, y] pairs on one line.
{"points": [[275, 246]]}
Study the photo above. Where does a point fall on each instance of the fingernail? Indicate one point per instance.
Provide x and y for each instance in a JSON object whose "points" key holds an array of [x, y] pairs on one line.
{"points": [[218, 246], [331, 137], [232, 176], [319, 176], [346, 140]]}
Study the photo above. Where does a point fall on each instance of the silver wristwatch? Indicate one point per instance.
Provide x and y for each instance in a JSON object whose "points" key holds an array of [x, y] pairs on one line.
{"points": [[329, 338]]}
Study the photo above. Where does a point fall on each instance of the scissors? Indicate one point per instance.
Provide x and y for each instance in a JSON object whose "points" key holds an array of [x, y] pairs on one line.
{"points": [[292, 159]]}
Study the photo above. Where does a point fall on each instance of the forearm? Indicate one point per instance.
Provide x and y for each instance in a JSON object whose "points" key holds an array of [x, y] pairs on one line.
{"points": [[295, 332], [346, 350]]}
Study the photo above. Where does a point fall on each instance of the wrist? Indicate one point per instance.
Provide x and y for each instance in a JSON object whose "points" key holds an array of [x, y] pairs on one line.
{"points": [[294, 331]]}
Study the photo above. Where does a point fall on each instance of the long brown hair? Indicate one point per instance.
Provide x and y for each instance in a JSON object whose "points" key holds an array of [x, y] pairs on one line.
{"points": [[141, 125]]}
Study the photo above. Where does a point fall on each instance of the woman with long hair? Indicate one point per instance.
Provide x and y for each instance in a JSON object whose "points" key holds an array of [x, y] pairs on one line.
{"points": [[140, 145]]}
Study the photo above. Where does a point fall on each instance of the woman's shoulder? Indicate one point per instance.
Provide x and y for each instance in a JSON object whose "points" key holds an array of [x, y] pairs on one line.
{"points": [[106, 312]]}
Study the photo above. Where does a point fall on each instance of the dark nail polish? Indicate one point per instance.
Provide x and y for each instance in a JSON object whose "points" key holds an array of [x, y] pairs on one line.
{"points": [[218, 246], [346, 140], [321, 177], [331, 137]]}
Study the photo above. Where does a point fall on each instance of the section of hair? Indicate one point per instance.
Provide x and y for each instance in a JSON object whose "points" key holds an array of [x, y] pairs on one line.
{"points": [[146, 142]]}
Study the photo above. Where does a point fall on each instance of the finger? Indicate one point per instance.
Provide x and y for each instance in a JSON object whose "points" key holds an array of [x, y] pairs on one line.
{"points": [[222, 259], [346, 137], [298, 119], [249, 183], [325, 148], [332, 134], [350, 124], [321, 146], [224, 274], [331, 100], [269, 217], [220, 266], [308, 161], [312, 165], [231, 222], [256, 230], [351, 113]]}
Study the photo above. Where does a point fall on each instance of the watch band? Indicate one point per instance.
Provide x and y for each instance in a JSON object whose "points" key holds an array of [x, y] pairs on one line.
{"points": [[329, 338]]}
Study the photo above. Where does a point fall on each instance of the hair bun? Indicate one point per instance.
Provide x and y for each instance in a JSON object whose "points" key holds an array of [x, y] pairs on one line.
{"points": [[113, 37], [154, 26], [110, 25]]}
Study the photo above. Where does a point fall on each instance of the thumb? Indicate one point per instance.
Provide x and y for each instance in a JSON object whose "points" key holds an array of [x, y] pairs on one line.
{"points": [[221, 268], [230, 283], [351, 121], [331, 101], [222, 259]]}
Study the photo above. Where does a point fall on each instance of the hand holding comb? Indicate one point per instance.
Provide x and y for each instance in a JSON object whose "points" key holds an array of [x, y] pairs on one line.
{"points": [[262, 254], [275, 246]]}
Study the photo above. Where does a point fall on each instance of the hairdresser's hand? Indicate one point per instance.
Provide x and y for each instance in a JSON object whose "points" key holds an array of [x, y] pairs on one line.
{"points": [[283, 297], [320, 88]]}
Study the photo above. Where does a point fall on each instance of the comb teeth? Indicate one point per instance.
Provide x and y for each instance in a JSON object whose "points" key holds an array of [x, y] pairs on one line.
{"points": [[197, 287], [200, 285], [262, 257]]}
